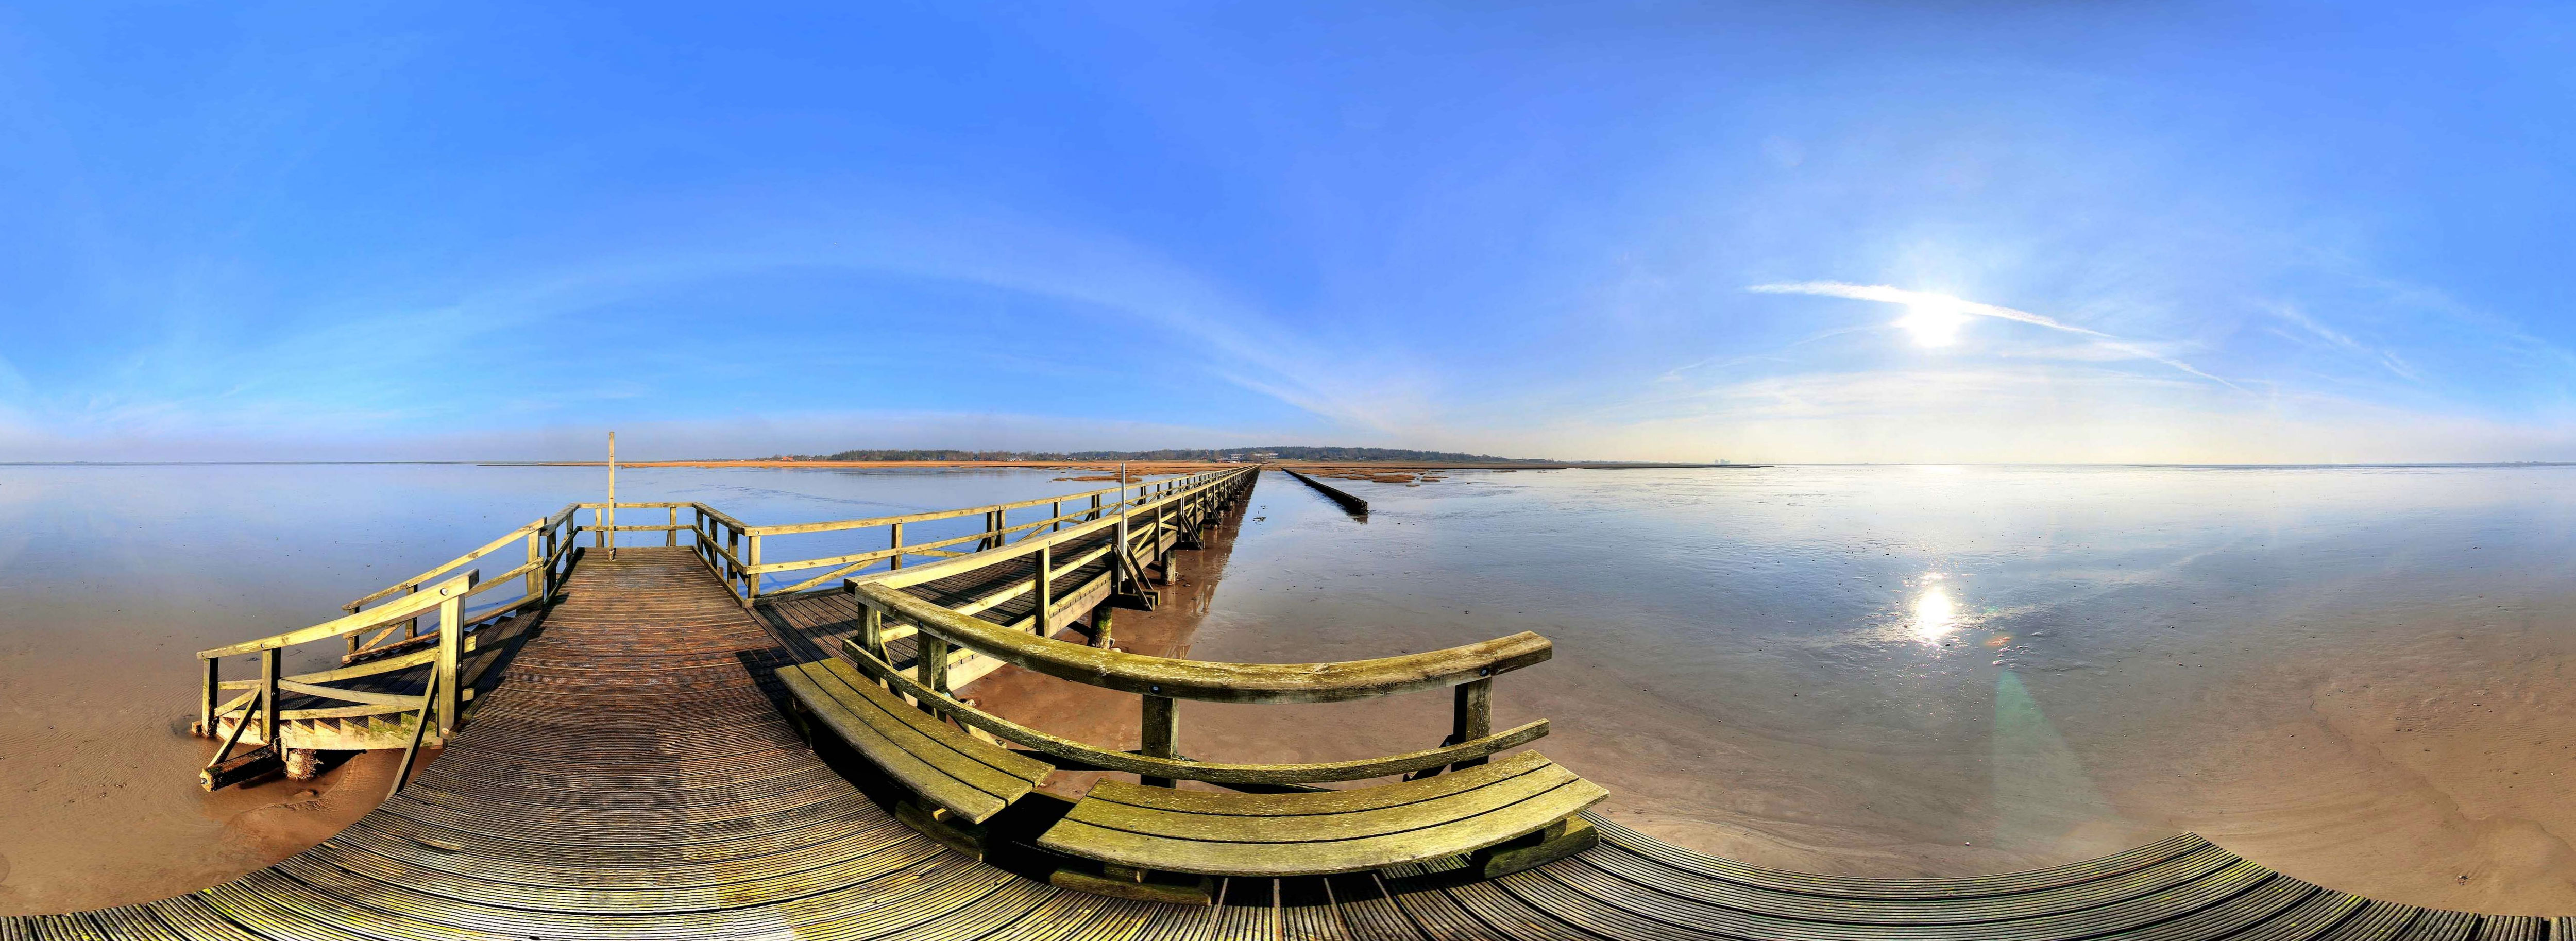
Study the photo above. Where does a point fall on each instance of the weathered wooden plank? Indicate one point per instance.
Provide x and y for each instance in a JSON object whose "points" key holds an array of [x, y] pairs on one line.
{"points": [[1454, 836], [1327, 826], [938, 770]]}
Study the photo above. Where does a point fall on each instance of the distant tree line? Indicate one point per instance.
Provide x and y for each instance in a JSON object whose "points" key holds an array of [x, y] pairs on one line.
{"points": [[1271, 452]]}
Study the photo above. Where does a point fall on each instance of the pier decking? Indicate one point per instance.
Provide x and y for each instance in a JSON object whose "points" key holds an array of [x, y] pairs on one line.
{"points": [[629, 775]]}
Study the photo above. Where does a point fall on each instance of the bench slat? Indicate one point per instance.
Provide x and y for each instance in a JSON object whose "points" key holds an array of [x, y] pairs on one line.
{"points": [[1277, 835], [1274, 860], [946, 767], [1348, 800], [1317, 828], [894, 705]]}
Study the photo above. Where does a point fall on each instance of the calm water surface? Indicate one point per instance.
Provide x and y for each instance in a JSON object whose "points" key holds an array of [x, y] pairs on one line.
{"points": [[2359, 676]]}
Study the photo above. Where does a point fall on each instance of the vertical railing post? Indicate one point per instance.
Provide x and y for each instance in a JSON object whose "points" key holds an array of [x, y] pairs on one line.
{"points": [[598, 537], [536, 580], [671, 536], [733, 552], [894, 541], [1124, 554], [451, 624], [206, 703], [1162, 521], [872, 632], [549, 572], [1472, 717], [612, 495], [1161, 733], [1056, 510], [270, 663], [930, 662], [751, 575], [1043, 585]]}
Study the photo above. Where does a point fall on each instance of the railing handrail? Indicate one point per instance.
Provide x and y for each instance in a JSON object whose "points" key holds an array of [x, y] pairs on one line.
{"points": [[409, 606], [434, 571], [1108, 518], [783, 529], [1208, 680]]}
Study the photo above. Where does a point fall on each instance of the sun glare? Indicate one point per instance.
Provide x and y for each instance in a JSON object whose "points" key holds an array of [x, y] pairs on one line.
{"points": [[1933, 324], [1935, 615]]}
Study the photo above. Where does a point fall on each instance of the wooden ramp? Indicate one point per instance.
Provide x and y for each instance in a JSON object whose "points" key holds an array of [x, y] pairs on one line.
{"points": [[630, 778]]}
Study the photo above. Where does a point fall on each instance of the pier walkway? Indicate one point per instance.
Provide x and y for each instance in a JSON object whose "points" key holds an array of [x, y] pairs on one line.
{"points": [[631, 775]]}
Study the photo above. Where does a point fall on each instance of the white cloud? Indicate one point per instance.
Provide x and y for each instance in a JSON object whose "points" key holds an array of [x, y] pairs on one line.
{"points": [[1929, 306]]}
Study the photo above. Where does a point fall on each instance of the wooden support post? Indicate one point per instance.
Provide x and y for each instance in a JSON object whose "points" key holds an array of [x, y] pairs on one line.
{"points": [[733, 549], [206, 703], [1043, 585], [1056, 510], [930, 662], [411, 628], [872, 632], [1124, 555], [549, 571], [451, 622], [1095, 508], [751, 579], [1473, 716], [270, 661], [1101, 626], [535, 583], [1162, 733], [894, 540], [671, 536]]}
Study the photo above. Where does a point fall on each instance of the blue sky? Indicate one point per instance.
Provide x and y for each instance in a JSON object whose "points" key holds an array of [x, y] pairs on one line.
{"points": [[1946, 231]]}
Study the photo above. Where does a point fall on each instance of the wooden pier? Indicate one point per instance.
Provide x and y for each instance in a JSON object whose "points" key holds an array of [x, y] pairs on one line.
{"points": [[646, 754]]}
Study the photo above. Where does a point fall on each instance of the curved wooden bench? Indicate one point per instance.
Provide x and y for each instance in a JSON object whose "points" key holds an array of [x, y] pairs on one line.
{"points": [[1328, 832], [966, 779]]}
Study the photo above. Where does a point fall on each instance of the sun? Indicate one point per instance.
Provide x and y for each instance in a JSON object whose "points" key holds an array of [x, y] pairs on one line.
{"points": [[1933, 323]]}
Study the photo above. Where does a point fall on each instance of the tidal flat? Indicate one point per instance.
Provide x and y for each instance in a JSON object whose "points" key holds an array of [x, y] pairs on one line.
{"points": [[2358, 676]]}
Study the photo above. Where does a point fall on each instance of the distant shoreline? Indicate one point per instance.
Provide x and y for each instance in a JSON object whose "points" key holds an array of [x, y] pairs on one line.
{"points": [[1146, 466], [1198, 465]]}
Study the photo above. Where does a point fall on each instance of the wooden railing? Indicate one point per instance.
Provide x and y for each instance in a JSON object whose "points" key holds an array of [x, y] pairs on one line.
{"points": [[384, 632], [1162, 682], [736, 551], [373, 649]]}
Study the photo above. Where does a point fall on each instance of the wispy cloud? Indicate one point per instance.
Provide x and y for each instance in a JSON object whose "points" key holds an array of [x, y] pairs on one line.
{"points": [[1959, 305], [2334, 337]]}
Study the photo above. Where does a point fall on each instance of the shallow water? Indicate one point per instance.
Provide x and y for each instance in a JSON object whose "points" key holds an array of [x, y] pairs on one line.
{"points": [[2359, 676]]}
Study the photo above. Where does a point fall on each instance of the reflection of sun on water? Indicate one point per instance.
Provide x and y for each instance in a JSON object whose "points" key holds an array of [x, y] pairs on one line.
{"points": [[1935, 615]]}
